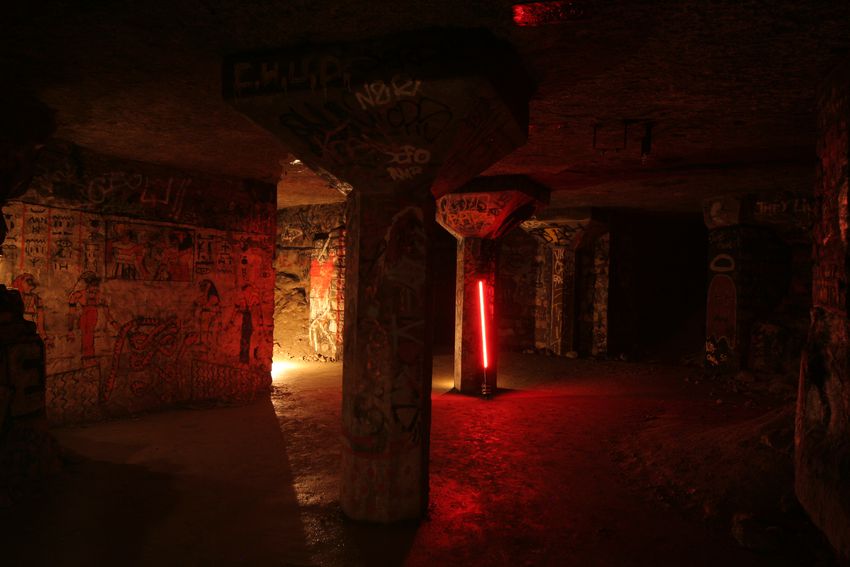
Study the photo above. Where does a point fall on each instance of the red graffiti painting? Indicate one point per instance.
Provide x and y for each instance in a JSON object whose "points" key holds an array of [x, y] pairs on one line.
{"points": [[321, 274]]}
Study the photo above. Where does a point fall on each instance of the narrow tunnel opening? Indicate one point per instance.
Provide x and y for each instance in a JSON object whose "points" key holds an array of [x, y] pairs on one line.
{"points": [[309, 269]]}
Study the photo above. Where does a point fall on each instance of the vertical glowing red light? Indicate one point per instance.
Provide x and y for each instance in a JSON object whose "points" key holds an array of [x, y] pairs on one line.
{"points": [[483, 322]]}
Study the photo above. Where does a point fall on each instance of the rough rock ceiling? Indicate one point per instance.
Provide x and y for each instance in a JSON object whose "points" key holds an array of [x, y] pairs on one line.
{"points": [[652, 105]]}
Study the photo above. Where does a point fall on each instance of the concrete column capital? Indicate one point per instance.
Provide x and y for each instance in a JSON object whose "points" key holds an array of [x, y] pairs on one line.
{"points": [[490, 207], [564, 230]]}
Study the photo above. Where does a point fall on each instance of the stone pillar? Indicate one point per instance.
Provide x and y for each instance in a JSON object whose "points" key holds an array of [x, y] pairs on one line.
{"points": [[744, 270], [558, 308], [601, 281], [396, 121], [478, 215], [562, 304], [562, 232], [477, 260], [387, 370], [822, 437]]}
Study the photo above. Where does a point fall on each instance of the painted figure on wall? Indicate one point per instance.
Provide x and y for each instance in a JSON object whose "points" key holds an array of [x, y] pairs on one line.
{"points": [[33, 308], [253, 263], [175, 259], [85, 305], [249, 309], [91, 256], [125, 254], [207, 310]]}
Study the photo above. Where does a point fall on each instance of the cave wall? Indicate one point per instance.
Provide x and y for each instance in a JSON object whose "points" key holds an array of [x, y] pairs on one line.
{"points": [[822, 438], [309, 270], [149, 286]]}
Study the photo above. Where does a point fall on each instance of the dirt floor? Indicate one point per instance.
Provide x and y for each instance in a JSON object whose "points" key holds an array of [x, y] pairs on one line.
{"points": [[574, 463]]}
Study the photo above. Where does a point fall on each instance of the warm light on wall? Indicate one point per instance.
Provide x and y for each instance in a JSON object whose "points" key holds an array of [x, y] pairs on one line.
{"points": [[280, 368], [483, 322]]}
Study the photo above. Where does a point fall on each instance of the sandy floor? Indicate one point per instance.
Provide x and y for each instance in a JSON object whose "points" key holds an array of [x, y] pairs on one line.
{"points": [[544, 474]]}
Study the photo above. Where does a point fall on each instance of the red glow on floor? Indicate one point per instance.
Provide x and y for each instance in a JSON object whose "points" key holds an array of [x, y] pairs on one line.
{"points": [[483, 323], [542, 13]]}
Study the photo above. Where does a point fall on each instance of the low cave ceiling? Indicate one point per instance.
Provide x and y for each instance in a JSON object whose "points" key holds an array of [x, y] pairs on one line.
{"points": [[726, 90]]}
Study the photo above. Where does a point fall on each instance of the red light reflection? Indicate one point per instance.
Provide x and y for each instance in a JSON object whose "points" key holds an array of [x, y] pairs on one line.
{"points": [[542, 13]]}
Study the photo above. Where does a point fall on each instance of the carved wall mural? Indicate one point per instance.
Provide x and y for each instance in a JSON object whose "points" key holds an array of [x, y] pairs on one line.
{"points": [[138, 313]]}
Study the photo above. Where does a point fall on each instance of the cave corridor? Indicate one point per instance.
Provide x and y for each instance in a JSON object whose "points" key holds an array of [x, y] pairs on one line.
{"points": [[425, 283]]}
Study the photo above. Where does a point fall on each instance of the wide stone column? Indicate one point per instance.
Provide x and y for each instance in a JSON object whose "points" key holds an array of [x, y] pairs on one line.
{"points": [[823, 404], [562, 234], [478, 218], [745, 264], [394, 122], [387, 371], [558, 313]]}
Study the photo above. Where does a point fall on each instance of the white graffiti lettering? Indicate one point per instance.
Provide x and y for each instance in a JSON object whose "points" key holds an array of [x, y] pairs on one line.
{"points": [[380, 93]]}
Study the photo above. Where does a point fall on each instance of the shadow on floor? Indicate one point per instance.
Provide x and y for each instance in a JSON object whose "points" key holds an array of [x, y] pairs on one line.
{"points": [[93, 513], [379, 544], [210, 487]]}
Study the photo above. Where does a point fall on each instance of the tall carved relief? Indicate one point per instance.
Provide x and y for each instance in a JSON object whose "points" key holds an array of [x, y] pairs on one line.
{"points": [[149, 286]]}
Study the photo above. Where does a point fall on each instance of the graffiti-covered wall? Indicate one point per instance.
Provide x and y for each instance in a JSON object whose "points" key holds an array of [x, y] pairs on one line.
{"points": [[310, 282], [760, 282], [149, 286]]}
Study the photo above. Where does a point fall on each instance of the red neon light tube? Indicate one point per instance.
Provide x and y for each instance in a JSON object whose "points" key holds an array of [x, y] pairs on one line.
{"points": [[483, 324]]}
